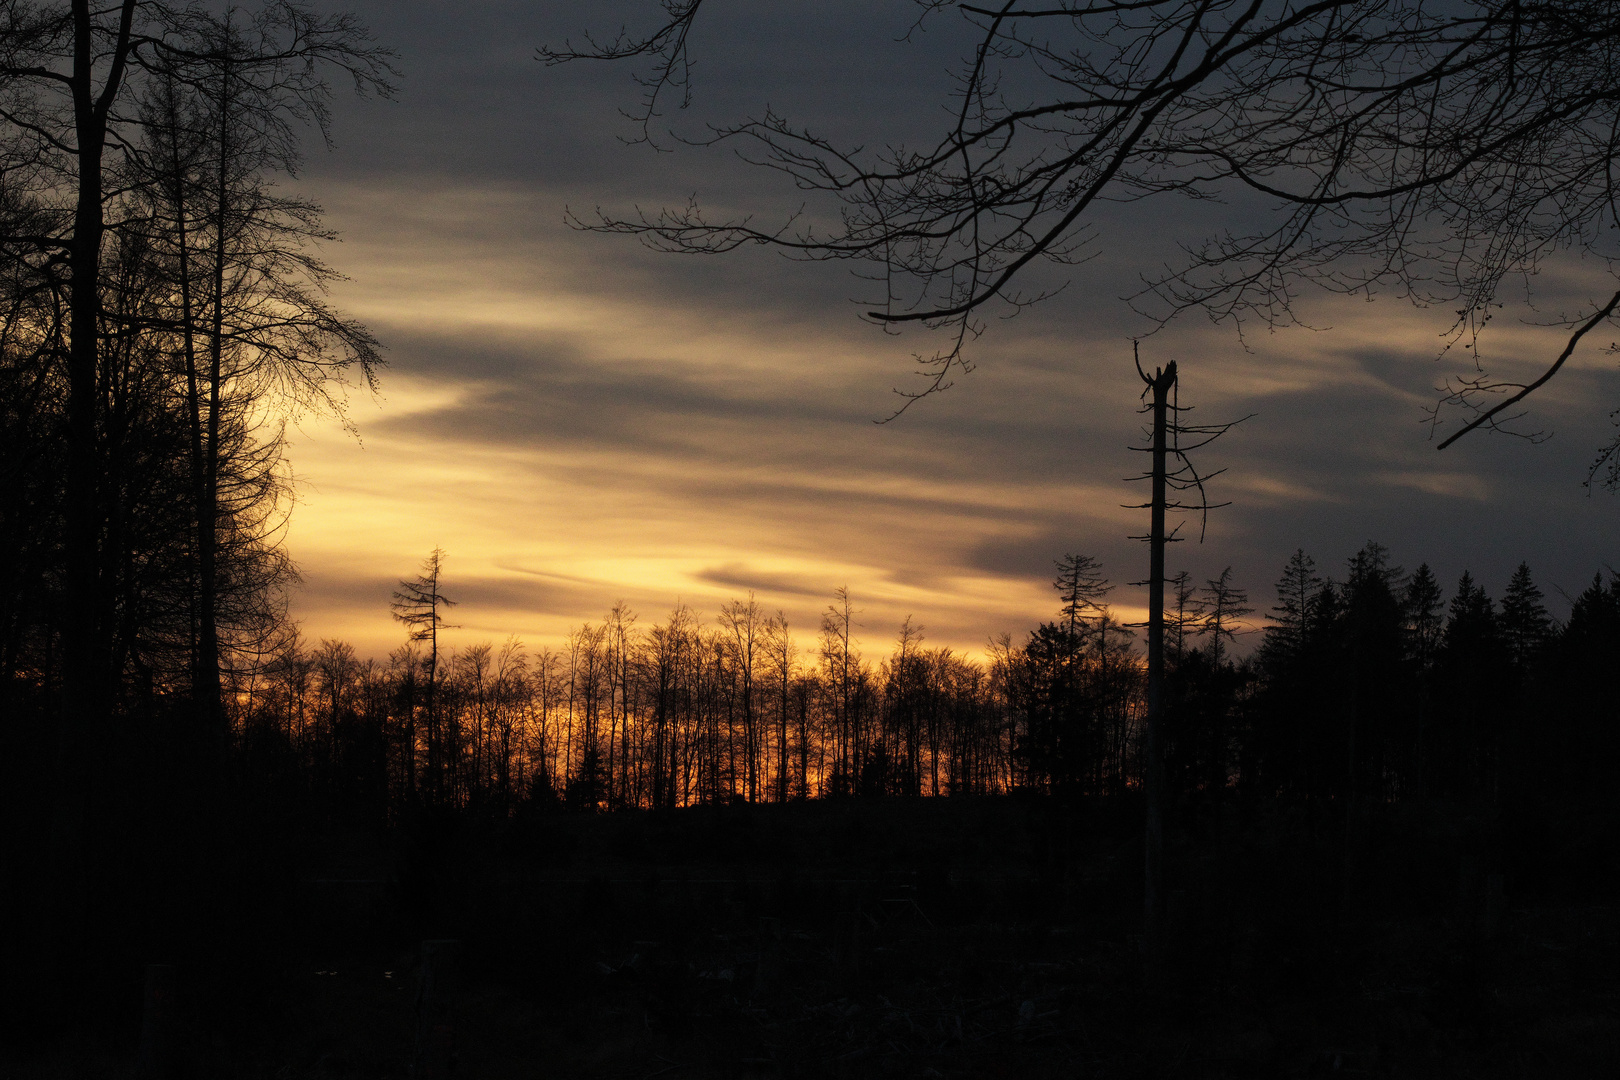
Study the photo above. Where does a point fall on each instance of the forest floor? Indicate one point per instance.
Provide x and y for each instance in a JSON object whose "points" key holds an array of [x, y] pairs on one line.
{"points": [[904, 938]]}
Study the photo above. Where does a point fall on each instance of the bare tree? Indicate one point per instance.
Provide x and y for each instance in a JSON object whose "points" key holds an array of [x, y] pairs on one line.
{"points": [[1184, 618], [219, 109], [746, 629], [841, 664], [783, 656], [72, 75], [619, 641]]}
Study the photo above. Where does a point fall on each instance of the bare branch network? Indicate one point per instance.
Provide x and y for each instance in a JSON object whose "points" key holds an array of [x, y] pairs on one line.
{"points": [[1436, 149]]}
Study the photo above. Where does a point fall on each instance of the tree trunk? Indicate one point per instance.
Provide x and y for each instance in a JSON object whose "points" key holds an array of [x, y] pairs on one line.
{"points": [[1152, 767], [87, 677]]}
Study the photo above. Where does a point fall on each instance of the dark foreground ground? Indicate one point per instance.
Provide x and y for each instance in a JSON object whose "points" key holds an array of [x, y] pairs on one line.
{"points": [[947, 938]]}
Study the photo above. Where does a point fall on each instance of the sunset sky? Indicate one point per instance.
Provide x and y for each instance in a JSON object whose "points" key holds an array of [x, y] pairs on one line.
{"points": [[578, 420]]}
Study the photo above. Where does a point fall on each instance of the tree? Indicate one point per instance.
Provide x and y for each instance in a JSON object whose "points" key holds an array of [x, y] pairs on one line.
{"points": [[747, 630], [1423, 624], [90, 332], [1375, 691], [906, 678], [842, 665], [1168, 481], [1184, 619], [1081, 587], [782, 654], [1423, 621], [1043, 684], [1473, 691], [219, 109], [79, 140], [620, 644], [1436, 150], [1222, 606], [1296, 589], [418, 604], [1526, 626]]}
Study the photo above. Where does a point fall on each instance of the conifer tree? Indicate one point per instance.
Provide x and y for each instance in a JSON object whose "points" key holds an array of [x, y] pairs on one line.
{"points": [[1081, 587], [1525, 623], [1185, 619], [1471, 617], [418, 603], [1222, 605], [1296, 592], [1422, 600]]}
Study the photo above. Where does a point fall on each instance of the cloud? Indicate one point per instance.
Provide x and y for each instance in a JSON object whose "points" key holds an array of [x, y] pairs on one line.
{"points": [[738, 575], [1448, 484], [578, 420]]}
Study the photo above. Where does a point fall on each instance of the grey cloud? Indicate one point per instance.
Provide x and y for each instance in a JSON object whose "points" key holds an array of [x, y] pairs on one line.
{"points": [[1030, 556], [1362, 456], [1052, 401], [547, 594], [547, 393], [741, 576]]}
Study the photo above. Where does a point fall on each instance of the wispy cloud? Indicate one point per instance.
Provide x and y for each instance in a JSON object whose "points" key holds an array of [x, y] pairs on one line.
{"points": [[578, 420]]}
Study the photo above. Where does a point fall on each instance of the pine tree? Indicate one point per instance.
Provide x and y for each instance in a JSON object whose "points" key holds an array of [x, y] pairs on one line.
{"points": [[1081, 587], [1185, 619], [1296, 592], [417, 604], [1526, 626], [1422, 601], [1471, 617], [1222, 605]]}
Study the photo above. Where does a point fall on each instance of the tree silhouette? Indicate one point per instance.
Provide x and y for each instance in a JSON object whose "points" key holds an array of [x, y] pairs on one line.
{"points": [[220, 109], [1296, 590], [78, 81], [1221, 607], [1181, 618], [745, 626], [1525, 622], [419, 604], [1422, 603], [1081, 587], [842, 665]]}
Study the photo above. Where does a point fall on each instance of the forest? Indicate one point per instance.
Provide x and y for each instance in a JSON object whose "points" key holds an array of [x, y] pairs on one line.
{"points": [[763, 849], [1375, 685]]}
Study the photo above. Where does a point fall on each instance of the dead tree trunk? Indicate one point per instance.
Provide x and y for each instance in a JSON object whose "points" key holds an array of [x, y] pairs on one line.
{"points": [[1161, 384]]}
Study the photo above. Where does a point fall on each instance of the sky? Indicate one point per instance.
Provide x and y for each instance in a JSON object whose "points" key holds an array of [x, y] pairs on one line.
{"points": [[577, 420]]}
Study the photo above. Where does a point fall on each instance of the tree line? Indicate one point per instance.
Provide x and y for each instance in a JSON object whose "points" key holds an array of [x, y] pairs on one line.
{"points": [[1371, 687]]}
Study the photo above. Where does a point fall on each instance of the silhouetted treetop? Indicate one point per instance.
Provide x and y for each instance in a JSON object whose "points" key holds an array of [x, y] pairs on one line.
{"points": [[1296, 592], [418, 603], [1081, 587], [1524, 619], [1422, 604]]}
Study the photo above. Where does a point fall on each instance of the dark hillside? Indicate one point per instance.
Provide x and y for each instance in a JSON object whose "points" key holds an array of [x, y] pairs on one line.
{"points": [[905, 937]]}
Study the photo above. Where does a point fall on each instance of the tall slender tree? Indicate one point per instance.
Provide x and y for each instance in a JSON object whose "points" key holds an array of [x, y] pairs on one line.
{"points": [[783, 655], [420, 605]]}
